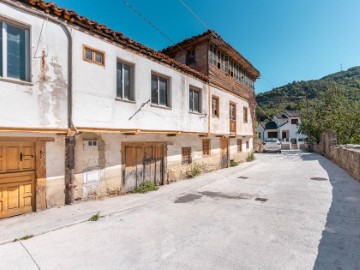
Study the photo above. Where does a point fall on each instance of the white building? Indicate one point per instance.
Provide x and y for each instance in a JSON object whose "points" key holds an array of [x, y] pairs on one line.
{"points": [[86, 112], [284, 127]]}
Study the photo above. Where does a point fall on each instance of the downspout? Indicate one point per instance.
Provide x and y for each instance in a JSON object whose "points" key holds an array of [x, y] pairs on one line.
{"points": [[70, 139]]}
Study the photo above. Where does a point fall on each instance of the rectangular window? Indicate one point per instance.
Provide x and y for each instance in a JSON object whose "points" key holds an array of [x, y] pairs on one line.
{"points": [[272, 134], [215, 106], [295, 121], [124, 81], [93, 56], [190, 57], [14, 52], [159, 90], [206, 147], [239, 145], [232, 111], [212, 55], [194, 100], [247, 145], [186, 155], [245, 112]]}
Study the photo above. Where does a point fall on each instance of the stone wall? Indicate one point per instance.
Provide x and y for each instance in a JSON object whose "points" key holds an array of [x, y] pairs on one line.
{"points": [[346, 156]]}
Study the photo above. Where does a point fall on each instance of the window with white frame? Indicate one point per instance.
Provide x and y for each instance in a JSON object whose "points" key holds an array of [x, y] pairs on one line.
{"points": [[194, 100], [14, 51], [124, 81], [160, 92]]}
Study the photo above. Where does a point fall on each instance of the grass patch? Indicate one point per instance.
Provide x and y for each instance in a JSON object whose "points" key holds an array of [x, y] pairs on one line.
{"points": [[195, 170], [233, 163], [95, 217], [26, 237], [251, 156], [146, 187]]}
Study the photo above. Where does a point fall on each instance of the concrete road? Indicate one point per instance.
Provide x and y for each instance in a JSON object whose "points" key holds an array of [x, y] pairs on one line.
{"points": [[271, 215]]}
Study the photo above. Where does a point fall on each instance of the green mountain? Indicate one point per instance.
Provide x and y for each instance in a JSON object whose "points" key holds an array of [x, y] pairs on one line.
{"points": [[288, 96]]}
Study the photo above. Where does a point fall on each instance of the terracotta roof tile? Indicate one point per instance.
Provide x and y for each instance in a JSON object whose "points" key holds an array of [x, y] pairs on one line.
{"points": [[72, 17]]}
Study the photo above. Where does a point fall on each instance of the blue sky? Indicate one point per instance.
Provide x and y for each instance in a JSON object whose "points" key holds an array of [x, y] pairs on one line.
{"points": [[286, 40]]}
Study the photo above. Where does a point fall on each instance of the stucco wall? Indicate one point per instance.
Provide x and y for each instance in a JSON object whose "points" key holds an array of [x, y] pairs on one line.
{"points": [[95, 103], [41, 102], [105, 160], [221, 124]]}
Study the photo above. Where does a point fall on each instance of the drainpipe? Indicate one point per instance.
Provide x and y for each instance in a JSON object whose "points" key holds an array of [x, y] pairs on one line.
{"points": [[70, 139]]}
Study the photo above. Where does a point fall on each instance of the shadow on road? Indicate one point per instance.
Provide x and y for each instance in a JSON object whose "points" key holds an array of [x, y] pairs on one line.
{"points": [[339, 247]]}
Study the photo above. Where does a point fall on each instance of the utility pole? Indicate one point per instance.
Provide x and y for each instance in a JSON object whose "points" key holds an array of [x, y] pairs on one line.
{"points": [[341, 67]]}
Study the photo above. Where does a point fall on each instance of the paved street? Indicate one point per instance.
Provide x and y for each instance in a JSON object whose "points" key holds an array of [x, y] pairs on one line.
{"points": [[268, 214]]}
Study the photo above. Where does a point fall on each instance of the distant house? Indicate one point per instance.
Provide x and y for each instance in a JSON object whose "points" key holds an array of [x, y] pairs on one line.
{"points": [[285, 127]]}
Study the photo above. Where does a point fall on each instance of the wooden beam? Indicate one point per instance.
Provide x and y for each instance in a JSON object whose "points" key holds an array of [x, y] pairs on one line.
{"points": [[34, 130], [27, 139]]}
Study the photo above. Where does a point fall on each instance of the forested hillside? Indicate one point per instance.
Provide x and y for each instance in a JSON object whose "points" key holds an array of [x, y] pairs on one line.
{"points": [[287, 97]]}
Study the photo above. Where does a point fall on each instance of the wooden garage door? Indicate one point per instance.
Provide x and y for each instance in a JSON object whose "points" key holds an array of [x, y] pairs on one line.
{"points": [[143, 163], [17, 178]]}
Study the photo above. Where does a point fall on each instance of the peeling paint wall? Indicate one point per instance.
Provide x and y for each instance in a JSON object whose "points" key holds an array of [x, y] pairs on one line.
{"points": [[42, 102]]}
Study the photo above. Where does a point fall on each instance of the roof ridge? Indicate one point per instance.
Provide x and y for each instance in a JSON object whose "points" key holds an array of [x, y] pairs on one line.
{"points": [[74, 18]]}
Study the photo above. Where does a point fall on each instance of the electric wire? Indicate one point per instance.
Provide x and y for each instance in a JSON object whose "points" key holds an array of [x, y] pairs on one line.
{"points": [[194, 14]]}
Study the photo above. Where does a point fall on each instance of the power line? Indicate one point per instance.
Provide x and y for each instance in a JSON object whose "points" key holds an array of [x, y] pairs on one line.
{"points": [[126, 2], [269, 82], [194, 14]]}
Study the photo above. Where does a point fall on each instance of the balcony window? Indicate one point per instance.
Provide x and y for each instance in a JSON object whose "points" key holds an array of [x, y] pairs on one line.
{"points": [[215, 106]]}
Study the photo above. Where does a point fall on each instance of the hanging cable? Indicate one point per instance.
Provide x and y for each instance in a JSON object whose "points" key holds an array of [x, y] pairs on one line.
{"points": [[194, 14]]}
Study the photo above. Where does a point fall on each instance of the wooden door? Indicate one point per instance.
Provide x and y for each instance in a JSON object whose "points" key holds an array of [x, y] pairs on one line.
{"points": [[224, 152], [133, 167], [143, 163], [153, 164], [17, 178]]}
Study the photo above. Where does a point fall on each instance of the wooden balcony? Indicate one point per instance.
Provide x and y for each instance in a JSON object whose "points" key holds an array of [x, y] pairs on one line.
{"points": [[232, 126]]}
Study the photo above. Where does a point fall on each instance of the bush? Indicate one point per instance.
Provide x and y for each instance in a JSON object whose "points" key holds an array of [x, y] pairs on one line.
{"points": [[251, 156], [195, 170], [233, 163], [146, 187]]}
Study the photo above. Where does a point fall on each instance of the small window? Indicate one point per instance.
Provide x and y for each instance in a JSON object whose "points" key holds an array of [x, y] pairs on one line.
{"points": [[14, 52], [194, 100], [190, 57], [90, 145], [206, 147], [94, 56], [295, 121], [239, 145], [124, 81], [232, 111], [247, 145], [186, 155], [215, 106], [159, 90], [245, 112]]}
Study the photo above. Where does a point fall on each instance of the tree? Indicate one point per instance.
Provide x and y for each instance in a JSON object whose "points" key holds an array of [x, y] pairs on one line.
{"points": [[332, 110]]}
